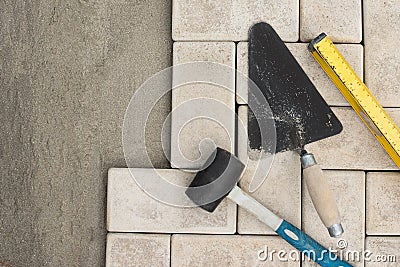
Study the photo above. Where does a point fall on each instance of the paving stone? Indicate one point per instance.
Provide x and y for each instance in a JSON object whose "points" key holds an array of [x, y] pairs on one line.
{"points": [[242, 66], [137, 250], [204, 99], [341, 20], [385, 251], [382, 54], [232, 250], [129, 209], [280, 191], [355, 148], [383, 207], [231, 19], [349, 190], [352, 52]]}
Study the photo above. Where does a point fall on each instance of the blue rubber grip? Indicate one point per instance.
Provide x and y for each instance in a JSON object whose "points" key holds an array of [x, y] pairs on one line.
{"points": [[311, 248]]}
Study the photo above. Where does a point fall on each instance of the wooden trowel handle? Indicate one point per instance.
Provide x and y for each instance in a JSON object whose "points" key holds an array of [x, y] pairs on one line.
{"points": [[321, 195]]}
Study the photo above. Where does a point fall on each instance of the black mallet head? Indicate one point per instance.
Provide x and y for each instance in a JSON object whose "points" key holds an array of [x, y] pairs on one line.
{"points": [[211, 185]]}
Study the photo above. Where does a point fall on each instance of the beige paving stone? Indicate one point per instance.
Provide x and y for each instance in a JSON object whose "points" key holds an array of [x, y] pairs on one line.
{"points": [[242, 62], [352, 52], [383, 207], [349, 190], [232, 250], [231, 19], [355, 148], [129, 209], [384, 251], [341, 20], [382, 54], [280, 190], [202, 111], [125, 250]]}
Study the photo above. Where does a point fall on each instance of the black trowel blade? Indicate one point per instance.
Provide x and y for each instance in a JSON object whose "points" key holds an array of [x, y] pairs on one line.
{"points": [[301, 114]]}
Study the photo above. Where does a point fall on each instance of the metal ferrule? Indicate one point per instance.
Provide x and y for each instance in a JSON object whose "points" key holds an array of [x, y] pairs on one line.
{"points": [[335, 230], [307, 160]]}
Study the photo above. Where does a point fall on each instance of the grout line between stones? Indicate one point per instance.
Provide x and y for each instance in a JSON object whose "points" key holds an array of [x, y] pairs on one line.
{"points": [[236, 145], [170, 250], [299, 22], [365, 210], [382, 235], [363, 41], [362, 23], [244, 41], [365, 206]]}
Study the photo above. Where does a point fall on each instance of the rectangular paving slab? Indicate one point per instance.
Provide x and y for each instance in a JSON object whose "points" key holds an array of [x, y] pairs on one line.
{"points": [[280, 188], [341, 20], [129, 209], [385, 251], [125, 250], [348, 188], [232, 250], [230, 20], [352, 52], [203, 112], [383, 207], [355, 148], [382, 54]]}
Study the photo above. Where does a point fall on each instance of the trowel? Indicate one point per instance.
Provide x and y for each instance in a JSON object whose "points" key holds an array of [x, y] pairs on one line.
{"points": [[300, 113]]}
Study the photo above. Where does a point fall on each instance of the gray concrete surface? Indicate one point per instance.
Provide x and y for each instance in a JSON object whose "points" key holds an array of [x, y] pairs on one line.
{"points": [[67, 72]]}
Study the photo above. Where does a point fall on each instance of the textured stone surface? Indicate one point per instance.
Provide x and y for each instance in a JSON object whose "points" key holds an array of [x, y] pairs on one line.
{"points": [[125, 250], [348, 188], [385, 251], [242, 62], [355, 147], [341, 20], [231, 19], [352, 52], [383, 207], [382, 56], [129, 209], [68, 70], [188, 130], [232, 250], [280, 190]]}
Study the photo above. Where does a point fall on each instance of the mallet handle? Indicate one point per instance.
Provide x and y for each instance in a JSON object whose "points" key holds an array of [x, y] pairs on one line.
{"points": [[256, 208], [294, 236]]}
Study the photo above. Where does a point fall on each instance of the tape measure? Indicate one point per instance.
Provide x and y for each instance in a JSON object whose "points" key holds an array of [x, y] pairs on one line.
{"points": [[358, 95]]}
